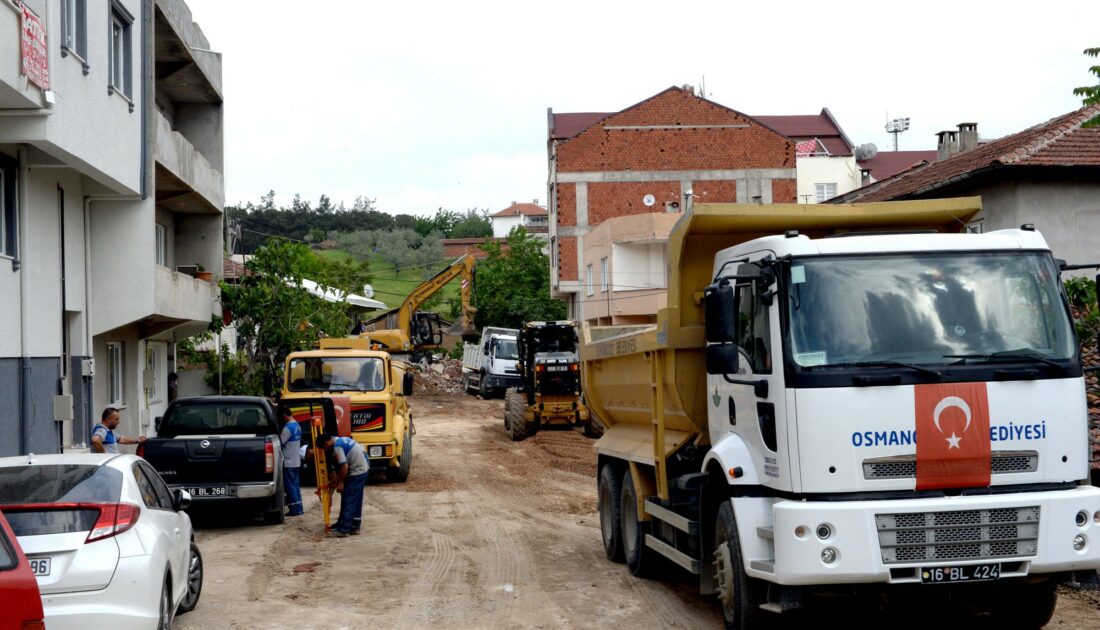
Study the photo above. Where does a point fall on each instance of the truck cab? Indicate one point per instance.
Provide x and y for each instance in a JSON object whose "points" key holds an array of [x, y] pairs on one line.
{"points": [[369, 389], [489, 366]]}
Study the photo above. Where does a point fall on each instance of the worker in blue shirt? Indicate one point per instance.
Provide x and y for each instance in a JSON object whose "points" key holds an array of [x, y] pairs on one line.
{"points": [[351, 476], [291, 440], [103, 438]]}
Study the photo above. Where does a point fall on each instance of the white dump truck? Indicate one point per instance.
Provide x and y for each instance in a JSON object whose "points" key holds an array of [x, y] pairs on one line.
{"points": [[489, 366], [840, 398]]}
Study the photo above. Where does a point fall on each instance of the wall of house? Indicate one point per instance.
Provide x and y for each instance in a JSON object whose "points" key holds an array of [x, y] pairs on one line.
{"points": [[503, 225], [645, 159], [840, 170]]}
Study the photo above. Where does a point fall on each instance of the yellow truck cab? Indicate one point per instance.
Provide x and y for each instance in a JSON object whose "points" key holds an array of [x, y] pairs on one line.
{"points": [[376, 386]]}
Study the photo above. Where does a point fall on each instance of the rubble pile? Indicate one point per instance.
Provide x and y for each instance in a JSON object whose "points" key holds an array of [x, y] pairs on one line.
{"points": [[443, 376]]}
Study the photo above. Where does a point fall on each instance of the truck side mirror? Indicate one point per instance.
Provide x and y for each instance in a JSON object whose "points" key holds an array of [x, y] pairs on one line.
{"points": [[720, 309], [407, 384], [723, 359]]}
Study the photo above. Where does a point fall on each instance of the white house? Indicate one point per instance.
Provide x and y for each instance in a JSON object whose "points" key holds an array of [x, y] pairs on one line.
{"points": [[111, 205], [533, 217]]}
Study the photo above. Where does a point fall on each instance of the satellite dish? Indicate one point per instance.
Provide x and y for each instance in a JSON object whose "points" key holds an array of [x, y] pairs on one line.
{"points": [[866, 151], [649, 200], [368, 291]]}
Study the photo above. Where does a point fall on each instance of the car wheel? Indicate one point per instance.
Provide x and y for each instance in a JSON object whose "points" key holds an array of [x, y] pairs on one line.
{"points": [[164, 614], [194, 581], [273, 515]]}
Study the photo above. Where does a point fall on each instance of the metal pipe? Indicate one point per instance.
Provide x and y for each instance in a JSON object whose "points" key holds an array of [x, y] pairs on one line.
{"points": [[22, 214]]}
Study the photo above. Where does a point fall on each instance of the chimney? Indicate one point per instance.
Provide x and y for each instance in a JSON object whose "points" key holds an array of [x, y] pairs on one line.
{"points": [[948, 145], [864, 176], [968, 136]]}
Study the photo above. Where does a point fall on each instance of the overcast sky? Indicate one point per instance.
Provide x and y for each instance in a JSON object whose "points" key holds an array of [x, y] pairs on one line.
{"points": [[421, 105]]}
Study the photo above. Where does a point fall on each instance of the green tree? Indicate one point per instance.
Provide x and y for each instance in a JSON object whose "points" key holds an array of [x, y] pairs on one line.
{"points": [[512, 285], [475, 223], [275, 317], [1090, 94]]}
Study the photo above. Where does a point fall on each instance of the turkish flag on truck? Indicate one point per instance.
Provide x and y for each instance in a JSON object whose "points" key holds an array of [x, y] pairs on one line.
{"points": [[953, 445]]}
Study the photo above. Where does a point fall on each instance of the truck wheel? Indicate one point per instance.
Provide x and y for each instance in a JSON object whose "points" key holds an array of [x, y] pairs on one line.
{"points": [[483, 388], [273, 515], [531, 427], [592, 428], [639, 559], [514, 410], [609, 490], [1024, 605], [400, 473], [466, 383], [739, 594]]}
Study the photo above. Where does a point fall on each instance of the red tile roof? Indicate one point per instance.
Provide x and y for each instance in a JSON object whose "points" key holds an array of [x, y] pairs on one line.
{"points": [[565, 126], [886, 164], [1058, 142], [517, 209], [821, 126], [231, 269]]}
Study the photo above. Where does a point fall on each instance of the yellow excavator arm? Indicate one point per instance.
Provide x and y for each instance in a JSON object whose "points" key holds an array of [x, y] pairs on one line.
{"points": [[394, 327]]}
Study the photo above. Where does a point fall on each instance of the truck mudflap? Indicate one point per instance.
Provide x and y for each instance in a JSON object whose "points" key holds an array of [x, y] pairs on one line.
{"points": [[906, 541]]}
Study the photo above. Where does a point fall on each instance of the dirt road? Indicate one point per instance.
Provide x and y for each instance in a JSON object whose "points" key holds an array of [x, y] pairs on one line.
{"points": [[485, 533]]}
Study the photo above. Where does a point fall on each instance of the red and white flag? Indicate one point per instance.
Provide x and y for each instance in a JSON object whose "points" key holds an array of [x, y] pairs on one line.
{"points": [[953, 445]]}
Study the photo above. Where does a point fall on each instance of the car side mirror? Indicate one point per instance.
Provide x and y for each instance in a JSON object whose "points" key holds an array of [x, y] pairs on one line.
{"points": [[720, 309], [407, 384], [181, 500], [723, 359]]}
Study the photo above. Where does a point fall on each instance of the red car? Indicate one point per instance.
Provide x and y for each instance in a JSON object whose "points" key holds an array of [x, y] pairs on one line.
{"points": [[18, 586]]}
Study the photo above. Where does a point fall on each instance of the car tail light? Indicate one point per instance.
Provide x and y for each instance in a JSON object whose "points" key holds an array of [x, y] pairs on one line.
{"points": [[573, 367], [540, 368], [114, 518], [141, 450], [269, 457], [36, 624]]}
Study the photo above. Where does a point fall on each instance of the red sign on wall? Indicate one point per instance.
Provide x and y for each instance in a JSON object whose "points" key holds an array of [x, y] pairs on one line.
{"points": [[35, 60]]}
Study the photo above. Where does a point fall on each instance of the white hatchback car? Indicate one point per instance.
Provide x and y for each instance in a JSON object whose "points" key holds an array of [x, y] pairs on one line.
{"points": [[109, 543]]}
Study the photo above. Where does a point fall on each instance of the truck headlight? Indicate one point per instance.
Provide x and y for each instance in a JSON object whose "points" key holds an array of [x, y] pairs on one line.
{"points": [[376, 451]]}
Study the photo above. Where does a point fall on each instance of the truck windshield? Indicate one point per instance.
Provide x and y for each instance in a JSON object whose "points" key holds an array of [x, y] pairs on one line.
{"points": [[336, 374], [926, 308], [506, 349]]}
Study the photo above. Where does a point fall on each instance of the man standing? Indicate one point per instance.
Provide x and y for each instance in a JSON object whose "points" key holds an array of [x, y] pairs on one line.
{"points": [[291, 439], [351, 475], [104, 439]]}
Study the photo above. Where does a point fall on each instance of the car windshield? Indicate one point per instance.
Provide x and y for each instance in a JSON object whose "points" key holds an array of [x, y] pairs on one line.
{"points": [[506, 349], [926, 308], [336, 374], [200, 418], [61, 483]]}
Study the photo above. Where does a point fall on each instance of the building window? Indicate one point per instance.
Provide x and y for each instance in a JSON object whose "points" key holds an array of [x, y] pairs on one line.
{"points": [[824, 192], [974, 228], [114, 373], [162, 246], [121, 63], [74, 30], [588, 280], [603, 274], [7, 206]]}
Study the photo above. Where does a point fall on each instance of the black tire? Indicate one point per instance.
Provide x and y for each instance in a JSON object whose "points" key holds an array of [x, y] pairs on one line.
{"points": [[608, 494], [483, 389], [739, 595], [593, 428], [164, 612], [639, 558], [1024, 605], [194, 581], [274, 514], [466, 383], [514, 411], [400, 473]]}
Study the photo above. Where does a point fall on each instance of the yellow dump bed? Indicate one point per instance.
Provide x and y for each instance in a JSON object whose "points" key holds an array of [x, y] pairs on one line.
{"points": [[631, 371]]}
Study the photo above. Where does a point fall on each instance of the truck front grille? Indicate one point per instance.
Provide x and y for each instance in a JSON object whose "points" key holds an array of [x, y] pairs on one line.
{"points": [[960, 535], [905, 466]]}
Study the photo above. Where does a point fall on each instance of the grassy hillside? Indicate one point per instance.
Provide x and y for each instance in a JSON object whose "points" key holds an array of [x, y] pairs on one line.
{"points": [[392, 287]]}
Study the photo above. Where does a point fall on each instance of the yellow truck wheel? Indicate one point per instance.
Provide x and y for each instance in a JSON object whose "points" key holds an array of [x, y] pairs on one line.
{"points": [[515, 408], [400, 473]]}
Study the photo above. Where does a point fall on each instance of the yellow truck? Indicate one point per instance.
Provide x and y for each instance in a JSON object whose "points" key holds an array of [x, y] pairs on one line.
{"points": [[370, 389], [849, 397]]}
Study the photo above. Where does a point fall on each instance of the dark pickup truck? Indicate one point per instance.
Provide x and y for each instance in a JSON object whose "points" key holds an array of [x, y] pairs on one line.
{"points": [[221, 449]]}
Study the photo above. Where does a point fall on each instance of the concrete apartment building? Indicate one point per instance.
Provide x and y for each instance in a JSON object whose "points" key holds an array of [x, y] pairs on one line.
{"points": [[610, 173], [112, 198]]}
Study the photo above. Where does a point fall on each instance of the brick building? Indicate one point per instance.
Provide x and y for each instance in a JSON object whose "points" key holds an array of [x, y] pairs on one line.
{"points": [[643, 160]]}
